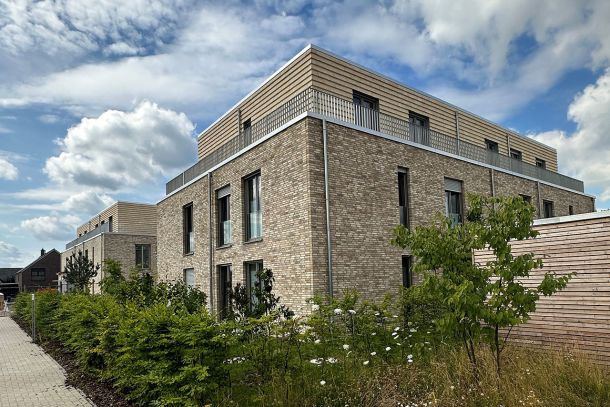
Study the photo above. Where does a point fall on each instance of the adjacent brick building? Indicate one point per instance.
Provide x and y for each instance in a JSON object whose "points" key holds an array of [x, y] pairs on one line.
{"points": [[309, 173], [41, 273], [125, 232]]}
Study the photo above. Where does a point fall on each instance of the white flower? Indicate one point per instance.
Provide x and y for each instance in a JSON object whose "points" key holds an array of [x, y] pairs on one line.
{"points": [[373, 353], [410, 360], [412, 330], [374, 333], [316, 341], [346, 346], [366, 362], [388, 349], [397, 329], [452, 387], [331, 360], [395, 316], [315, 307], [338, 311], [317, 361], [377, 314], [394, 333], [409, 356], [398, 344], [322, 382], [351, 311]]}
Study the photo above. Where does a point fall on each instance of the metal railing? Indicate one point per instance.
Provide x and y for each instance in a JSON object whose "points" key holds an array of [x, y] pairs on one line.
{"points": [[314, 101], [104, 227]]}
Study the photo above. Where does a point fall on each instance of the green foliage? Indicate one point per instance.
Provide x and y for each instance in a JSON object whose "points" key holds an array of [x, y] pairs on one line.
{"points": [[263, 300], [480, 299], [79, 271], [47, 302]]}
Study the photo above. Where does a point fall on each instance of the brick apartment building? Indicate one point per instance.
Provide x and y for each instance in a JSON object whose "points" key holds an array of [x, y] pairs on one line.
{"points": [[308, 174], [41, 273], [125, 232]]}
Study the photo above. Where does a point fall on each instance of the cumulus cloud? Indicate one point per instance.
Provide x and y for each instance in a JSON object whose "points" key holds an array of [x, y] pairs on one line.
{"points": [[47, 228], [123, 149], [585, 153], [7, 170]]}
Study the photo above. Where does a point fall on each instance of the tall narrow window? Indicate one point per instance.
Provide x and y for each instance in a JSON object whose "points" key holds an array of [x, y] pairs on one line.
{"points": [[189, 277], [143, 256], [247, 132], [252, 281], [224, 289], [453, 200], [403, 196], [223, 203], [540, 163], [252, 207], [366, 110], [547, 207], [407, 277], [492, 146], [570, 210], [419, 128], [110, 224], [188, 234], [516, 154]]}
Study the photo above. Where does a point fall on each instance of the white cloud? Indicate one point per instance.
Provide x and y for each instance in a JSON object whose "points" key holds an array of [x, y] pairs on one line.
{"points": [[8, 170], [47, 228], [123, 149], [10, 255], [585, 153], [48, 118]]}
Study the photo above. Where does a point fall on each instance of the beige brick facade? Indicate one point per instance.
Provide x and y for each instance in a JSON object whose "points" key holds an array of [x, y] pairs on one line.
{"points": [[362, 171]]}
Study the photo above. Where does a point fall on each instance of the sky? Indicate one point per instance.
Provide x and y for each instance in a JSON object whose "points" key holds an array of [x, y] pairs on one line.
{"points": [[102, 100]]}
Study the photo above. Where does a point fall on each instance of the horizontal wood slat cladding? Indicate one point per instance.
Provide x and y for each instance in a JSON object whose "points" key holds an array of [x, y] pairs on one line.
{"points": [[295, 78], [578, 316], [322, 71], [112, 210], [137, 219]]}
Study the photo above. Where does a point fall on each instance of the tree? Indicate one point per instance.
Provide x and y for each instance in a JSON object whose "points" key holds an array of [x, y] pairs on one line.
{"points": [[79, 271], [482, 301]]}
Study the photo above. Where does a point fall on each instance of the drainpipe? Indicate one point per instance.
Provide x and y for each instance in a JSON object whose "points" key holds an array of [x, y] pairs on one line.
{"points": [[327, 199], [210, 251]]}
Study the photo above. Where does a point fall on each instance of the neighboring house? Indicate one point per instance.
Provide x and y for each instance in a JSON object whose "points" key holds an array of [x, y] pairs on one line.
{"points": [[125, 232], [8, 283], [579, 315], [309, 173], [41, 273]]}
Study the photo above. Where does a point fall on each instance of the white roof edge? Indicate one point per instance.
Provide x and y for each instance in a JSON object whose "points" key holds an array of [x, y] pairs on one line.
{"points": [[273, 75], [573, 218]]}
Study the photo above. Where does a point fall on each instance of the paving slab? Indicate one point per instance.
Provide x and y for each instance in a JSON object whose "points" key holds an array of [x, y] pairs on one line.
{"points": [[28, 376]]}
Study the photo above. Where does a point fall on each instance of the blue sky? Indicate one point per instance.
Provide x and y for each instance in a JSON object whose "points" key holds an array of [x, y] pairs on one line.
{"points": [[102, 101]]}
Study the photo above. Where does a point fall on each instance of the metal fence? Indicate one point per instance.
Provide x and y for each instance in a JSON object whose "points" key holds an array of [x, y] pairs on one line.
{"points": [[104, 227], [333, 107]]}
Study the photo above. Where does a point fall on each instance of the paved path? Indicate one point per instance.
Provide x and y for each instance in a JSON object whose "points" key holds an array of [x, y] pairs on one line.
{"points": [[28, 376]]}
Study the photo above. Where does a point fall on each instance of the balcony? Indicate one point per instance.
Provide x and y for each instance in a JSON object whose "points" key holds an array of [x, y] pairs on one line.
{"points": [[103, 228], [332, 107]]}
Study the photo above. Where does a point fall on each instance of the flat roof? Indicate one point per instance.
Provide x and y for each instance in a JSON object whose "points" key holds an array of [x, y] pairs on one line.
{"points": [[573, 218]]}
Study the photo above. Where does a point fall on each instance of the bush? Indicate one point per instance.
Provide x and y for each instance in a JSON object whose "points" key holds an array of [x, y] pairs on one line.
{"points": [[47, 303]]}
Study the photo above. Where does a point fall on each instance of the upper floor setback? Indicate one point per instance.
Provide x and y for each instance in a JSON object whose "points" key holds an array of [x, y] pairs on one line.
{"points": [[120, 217], [315, 68], [320, 84]]}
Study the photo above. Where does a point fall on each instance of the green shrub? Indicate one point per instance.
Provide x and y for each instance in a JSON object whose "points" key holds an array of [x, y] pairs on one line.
{"points": [[47, 302]]}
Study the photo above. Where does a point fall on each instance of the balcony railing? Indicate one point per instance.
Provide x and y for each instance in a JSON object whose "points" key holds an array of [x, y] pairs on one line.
{"points": [[103, 228], [314, 101]]}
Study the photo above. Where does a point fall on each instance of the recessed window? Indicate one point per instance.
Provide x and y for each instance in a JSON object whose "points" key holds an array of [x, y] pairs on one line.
{"points": [[526, 198], [189, 277], [548, 210], [252, 207], [453, 200], [143, 256], [419, 128], [38, 274], [403, 196], [570, 210], [224, 289], [516, 154], [540, 163], [252, 269], [223, 203], [492, 146], [188, 237], [407, 277], [366, 110], [110, 224], [247, 127]]}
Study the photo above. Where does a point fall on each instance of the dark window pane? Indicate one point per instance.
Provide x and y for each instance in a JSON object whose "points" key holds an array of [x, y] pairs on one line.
{"points": [[224, 220], [407, 277], [189, 235], [253, 218], [403, 198]]}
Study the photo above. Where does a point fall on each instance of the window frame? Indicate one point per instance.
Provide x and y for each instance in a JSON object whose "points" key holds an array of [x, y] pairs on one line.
{"points": [[403, 196], [184, 277], [224, 292], [516, 154], [188, 236], [38, 270], [369, 117], [540, 163], [526, 198], [141, 247], [221, 202], [407, 271], [255, 176], [459, 201], [570, 210], [249, 279], [492, 146], [546, 203]]}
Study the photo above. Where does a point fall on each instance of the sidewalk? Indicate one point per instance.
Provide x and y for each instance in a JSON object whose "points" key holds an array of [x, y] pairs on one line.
{"points": [[28, 376]]}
